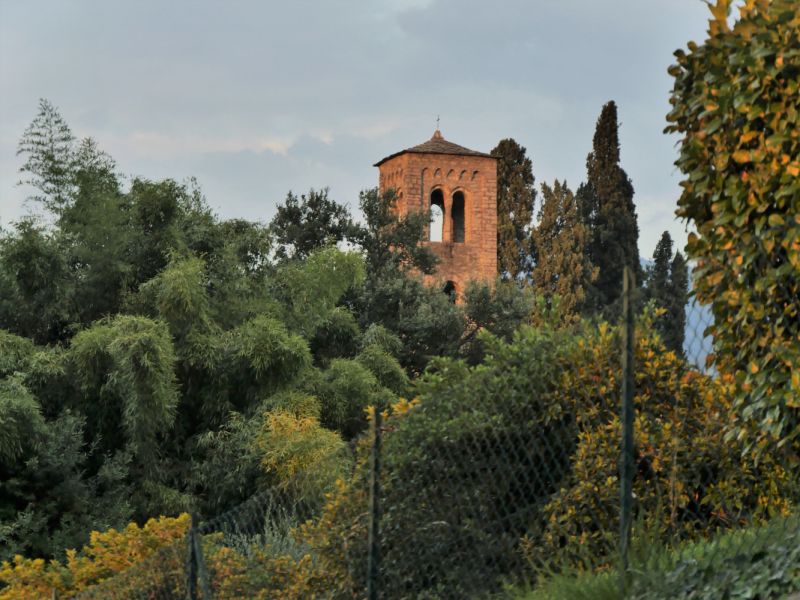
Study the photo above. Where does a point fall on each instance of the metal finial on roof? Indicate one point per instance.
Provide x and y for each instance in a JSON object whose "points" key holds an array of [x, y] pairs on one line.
{"points": [[437, 122], [437, 145]]}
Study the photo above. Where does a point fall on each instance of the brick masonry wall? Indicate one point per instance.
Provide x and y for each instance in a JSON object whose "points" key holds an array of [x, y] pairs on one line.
{"points": [[415, 176]]}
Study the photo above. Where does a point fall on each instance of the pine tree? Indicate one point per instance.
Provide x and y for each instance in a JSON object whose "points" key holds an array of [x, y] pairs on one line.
{"points": [[667, 282], [606, 204], [557, 246], [516, 196]]}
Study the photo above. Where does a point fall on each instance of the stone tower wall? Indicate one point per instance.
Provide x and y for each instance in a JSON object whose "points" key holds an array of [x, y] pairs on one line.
{"points": [[415, 176]]}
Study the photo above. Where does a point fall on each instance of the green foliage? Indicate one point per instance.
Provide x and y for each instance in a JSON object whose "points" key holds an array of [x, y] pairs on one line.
{"points": [[49, 503], [34, 296], [126, 364], [746, 564], [311, 289], [156, 359], [385, 369], [288, 444], [516, 196], [606, 201], [274, 355], [735, 106], [682, 457], [21, 421], [424, 319]]}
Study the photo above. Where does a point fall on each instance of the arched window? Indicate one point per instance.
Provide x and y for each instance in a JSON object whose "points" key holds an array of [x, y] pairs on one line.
{"points": [[451, 291], [437, 215], [457, 213]]}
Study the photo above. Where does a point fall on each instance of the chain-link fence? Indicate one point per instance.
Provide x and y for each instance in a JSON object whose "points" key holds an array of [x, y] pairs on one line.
{"points": [[584, 462]]}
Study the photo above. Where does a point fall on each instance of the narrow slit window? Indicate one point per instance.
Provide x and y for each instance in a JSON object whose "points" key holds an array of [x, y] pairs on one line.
{"points": [[437, 216], [458, 217]]}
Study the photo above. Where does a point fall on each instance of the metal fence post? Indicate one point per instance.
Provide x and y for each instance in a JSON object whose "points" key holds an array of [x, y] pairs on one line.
{"points": [[627, 416], [195, 566], [374, 507]]}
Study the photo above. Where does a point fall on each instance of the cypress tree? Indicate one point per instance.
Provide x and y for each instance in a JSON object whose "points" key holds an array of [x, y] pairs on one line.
{"points": [[606, 204], [557, 246], [676, 311], [667, 282], [515, 199]]}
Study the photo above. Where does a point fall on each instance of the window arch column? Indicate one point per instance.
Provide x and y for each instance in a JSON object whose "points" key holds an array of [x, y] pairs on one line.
{"points": [[447, 232], [458, 217]]}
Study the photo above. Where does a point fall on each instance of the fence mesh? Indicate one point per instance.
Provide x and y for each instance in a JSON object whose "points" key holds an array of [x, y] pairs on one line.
{"points": [[504, 481]]}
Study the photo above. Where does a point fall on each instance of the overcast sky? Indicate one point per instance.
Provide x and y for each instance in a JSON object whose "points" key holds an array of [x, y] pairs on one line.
{"points": [[257, 98]]}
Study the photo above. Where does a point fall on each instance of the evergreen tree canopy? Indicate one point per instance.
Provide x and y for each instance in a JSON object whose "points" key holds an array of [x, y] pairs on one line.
{"points": [[557, 245], [606, 201], [516, 196]]}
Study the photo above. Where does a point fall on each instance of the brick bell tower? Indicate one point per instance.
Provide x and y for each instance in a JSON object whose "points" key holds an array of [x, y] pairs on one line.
{"points": [[460, 186]]}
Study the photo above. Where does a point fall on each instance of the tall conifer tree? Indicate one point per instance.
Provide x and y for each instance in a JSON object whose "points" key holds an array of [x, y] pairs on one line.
{"points": [[515, 199], [557, 246], [606, 204], [667, 282], [676, 311]]}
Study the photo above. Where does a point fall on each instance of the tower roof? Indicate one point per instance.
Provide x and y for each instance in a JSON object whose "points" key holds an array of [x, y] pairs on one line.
{"points": [[437, 145]]}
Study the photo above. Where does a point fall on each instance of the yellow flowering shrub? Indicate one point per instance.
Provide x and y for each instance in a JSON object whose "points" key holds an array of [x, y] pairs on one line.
{"points": [[107, 555]]}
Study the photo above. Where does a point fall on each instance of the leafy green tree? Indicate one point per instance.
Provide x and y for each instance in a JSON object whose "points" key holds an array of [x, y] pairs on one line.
{"points": [[734, 103], [558, 243], [516, 196], [667, 283], [606, 201], [303, 224]]}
